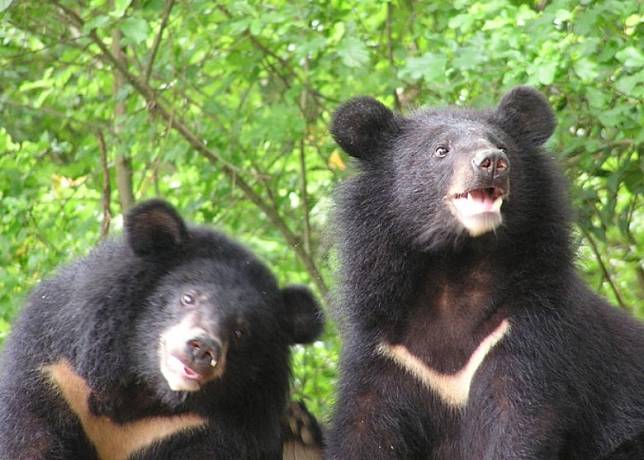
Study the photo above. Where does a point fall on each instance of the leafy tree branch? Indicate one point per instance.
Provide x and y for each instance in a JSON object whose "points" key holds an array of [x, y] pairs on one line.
{"points": [[158, 107]]}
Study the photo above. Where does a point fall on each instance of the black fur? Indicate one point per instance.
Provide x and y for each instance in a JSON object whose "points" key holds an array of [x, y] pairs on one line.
{"points": [[104, 314], [154, 228], [566, 382], [303, 321], [361, 126]]}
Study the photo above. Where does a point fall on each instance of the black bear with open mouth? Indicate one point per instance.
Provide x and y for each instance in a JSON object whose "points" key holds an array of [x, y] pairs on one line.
{"points": [[468, 334]]}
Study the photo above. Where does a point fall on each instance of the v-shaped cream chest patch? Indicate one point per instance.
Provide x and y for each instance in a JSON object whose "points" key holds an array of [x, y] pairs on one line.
{"points": [[113, 441], [453, 389]]}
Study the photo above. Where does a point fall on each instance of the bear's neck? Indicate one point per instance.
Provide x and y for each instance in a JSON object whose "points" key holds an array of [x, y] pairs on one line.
{"points": [[456, 302], [448, 296]]}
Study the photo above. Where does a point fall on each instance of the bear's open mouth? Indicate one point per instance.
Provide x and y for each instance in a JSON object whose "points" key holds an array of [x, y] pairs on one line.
{"points": [[179, 372], [181, 376], [186, 370], [479, 210], [480, 200], [481, 194]]}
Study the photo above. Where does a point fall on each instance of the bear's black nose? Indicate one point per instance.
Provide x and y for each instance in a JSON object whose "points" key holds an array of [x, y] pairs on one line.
{"points": [[491, 162], [204, 351]]}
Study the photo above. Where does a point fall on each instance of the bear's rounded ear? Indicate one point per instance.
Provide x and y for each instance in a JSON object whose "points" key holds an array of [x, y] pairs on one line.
{"points": [[303, 319], [361, 125], [525, 114], [154, 228]]}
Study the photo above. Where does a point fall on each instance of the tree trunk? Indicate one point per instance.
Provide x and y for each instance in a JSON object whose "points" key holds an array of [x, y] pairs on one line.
{"points": [[123, 164]]}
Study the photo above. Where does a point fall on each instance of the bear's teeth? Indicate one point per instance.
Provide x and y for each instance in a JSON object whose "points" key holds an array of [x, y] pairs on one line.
{"points": [[496, 206], [472, 197]]}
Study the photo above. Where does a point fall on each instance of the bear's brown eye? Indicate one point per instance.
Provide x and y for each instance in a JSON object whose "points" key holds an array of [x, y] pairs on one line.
{"points": [[188, 299], [441, 151]]}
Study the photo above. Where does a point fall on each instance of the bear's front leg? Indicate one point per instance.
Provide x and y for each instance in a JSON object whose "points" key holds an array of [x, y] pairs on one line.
{"points": [[372, 421], [518, 438], [216, 441], [512, 414]]}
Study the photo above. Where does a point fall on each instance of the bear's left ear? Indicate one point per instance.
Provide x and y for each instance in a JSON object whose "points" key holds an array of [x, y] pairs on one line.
{"points": [[362, 125], [525, 114], [303, 319], [154, 228]]}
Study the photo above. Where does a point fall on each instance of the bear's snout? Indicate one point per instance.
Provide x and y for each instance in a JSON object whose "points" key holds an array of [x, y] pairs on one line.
{"points": [[204, 351], [190, 355], [492, 163]]}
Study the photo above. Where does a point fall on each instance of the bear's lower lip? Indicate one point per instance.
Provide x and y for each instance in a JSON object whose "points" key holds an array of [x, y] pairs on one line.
{"points": [[189, 373], [186, 371], [479, 201]]}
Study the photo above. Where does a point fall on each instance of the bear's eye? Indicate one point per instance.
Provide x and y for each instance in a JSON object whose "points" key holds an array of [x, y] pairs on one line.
{"points": [[188, 299], [238, 333], [503, 149], [441, 151]]}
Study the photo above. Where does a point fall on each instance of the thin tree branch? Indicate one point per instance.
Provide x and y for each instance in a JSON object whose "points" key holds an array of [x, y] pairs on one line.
{"points": [[631, 239], [573, 155], [39, 235], [602, 266], [157, 106], [107, 189], [390, 50], [157, 39], [305, 198], [304, 105], [284, 63], [123, 162]]}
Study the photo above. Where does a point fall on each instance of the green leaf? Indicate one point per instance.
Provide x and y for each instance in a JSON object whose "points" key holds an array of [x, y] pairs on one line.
{"points": [[120, 6], [4, 4], [633, 20], [430, 66], [631, 57], [468, 58], [628, 84], [256, 26], [546, 72], [462, 22], [611, 118], [97, 22], [353, 52], [585, 21], [586, 69], [596, 98], [562, 16], [135, 30]]}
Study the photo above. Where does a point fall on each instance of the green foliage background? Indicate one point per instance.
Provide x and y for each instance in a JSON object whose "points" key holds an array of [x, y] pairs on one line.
{"points": [[223, 108]]}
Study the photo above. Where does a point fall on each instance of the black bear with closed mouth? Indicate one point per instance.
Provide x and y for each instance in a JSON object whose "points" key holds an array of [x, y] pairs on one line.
{"points": [[468, 334], [180, 337]]}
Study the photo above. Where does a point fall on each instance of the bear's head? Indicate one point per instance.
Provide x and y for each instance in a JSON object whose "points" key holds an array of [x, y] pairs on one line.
{"points": [[443, 176], [215, 316]]}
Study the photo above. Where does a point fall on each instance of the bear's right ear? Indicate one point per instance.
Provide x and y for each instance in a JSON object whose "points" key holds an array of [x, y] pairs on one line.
{"points": [[154, 228], [525, 114], [361, 125], [303, 320]]}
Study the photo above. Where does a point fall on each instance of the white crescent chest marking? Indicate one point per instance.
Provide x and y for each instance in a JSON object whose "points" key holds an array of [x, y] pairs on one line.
{"points": [[113, 441], [453, 389]]}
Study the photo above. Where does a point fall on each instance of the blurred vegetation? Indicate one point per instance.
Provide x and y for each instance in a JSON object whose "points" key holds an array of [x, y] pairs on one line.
{"points": [[223, 107]]}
